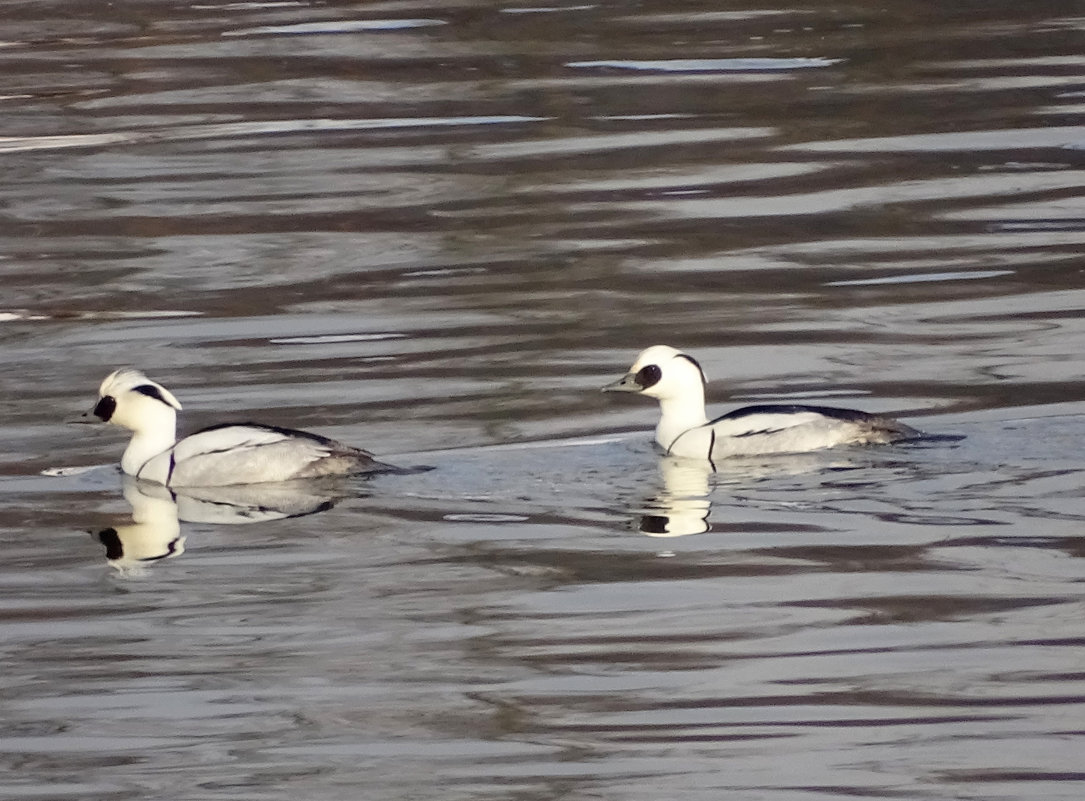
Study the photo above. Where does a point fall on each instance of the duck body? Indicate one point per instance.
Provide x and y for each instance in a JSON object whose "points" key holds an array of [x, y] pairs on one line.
{"points": [[677, 382], [768, 429], [251, 453], [222, 455]]}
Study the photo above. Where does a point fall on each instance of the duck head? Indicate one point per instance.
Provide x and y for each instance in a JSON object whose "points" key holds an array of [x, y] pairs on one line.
{"points": [[129, 399], [673, 378], [664, 373]]}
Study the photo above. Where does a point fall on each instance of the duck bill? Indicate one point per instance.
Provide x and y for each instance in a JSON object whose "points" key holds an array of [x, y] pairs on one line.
{"points": [[85, 419], [101, 412], [627, 383]]}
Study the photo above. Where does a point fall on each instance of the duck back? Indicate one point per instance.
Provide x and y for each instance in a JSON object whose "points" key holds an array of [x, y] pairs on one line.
{"points": [[253, 453], [787, 428]]}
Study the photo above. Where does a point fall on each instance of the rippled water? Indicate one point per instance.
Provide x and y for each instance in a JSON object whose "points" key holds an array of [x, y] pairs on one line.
{"points": [[436, 230]]}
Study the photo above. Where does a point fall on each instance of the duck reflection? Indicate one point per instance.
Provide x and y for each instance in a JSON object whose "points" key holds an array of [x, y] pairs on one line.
{"points": [[682, 506], [153, 534], [157, 514]]}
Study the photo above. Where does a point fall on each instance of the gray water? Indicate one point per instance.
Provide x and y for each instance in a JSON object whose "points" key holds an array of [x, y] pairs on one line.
{"points": [[435, 230]]}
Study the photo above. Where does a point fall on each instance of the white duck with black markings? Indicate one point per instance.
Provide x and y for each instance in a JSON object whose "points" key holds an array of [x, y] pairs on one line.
{"points": [[222, 455], [676, 380]]}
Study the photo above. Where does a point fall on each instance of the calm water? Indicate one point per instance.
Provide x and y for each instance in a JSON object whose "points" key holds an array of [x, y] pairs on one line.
{"points": [[435, 229]]}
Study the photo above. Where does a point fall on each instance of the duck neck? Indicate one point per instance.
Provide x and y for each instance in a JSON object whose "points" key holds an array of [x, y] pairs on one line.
{"points": [[678, 415], [147, 444]]}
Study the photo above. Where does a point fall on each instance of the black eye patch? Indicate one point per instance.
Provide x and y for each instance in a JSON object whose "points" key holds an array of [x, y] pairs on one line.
{"points": [[151, 392], [105, 407], [648, 376]]}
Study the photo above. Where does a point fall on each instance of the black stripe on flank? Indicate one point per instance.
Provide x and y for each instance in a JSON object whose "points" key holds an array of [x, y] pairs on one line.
{"points": [[173, 464], [332, 446], [763, 431], [286, 432], [711, 446], [846, 415]]}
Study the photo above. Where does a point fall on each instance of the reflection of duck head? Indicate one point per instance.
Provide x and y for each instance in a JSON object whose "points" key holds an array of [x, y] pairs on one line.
{"points": [[682, 507], [154, 533]]}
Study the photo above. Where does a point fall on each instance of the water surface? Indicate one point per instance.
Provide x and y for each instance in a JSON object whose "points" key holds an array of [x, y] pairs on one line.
{"points": [[435, 230]]}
